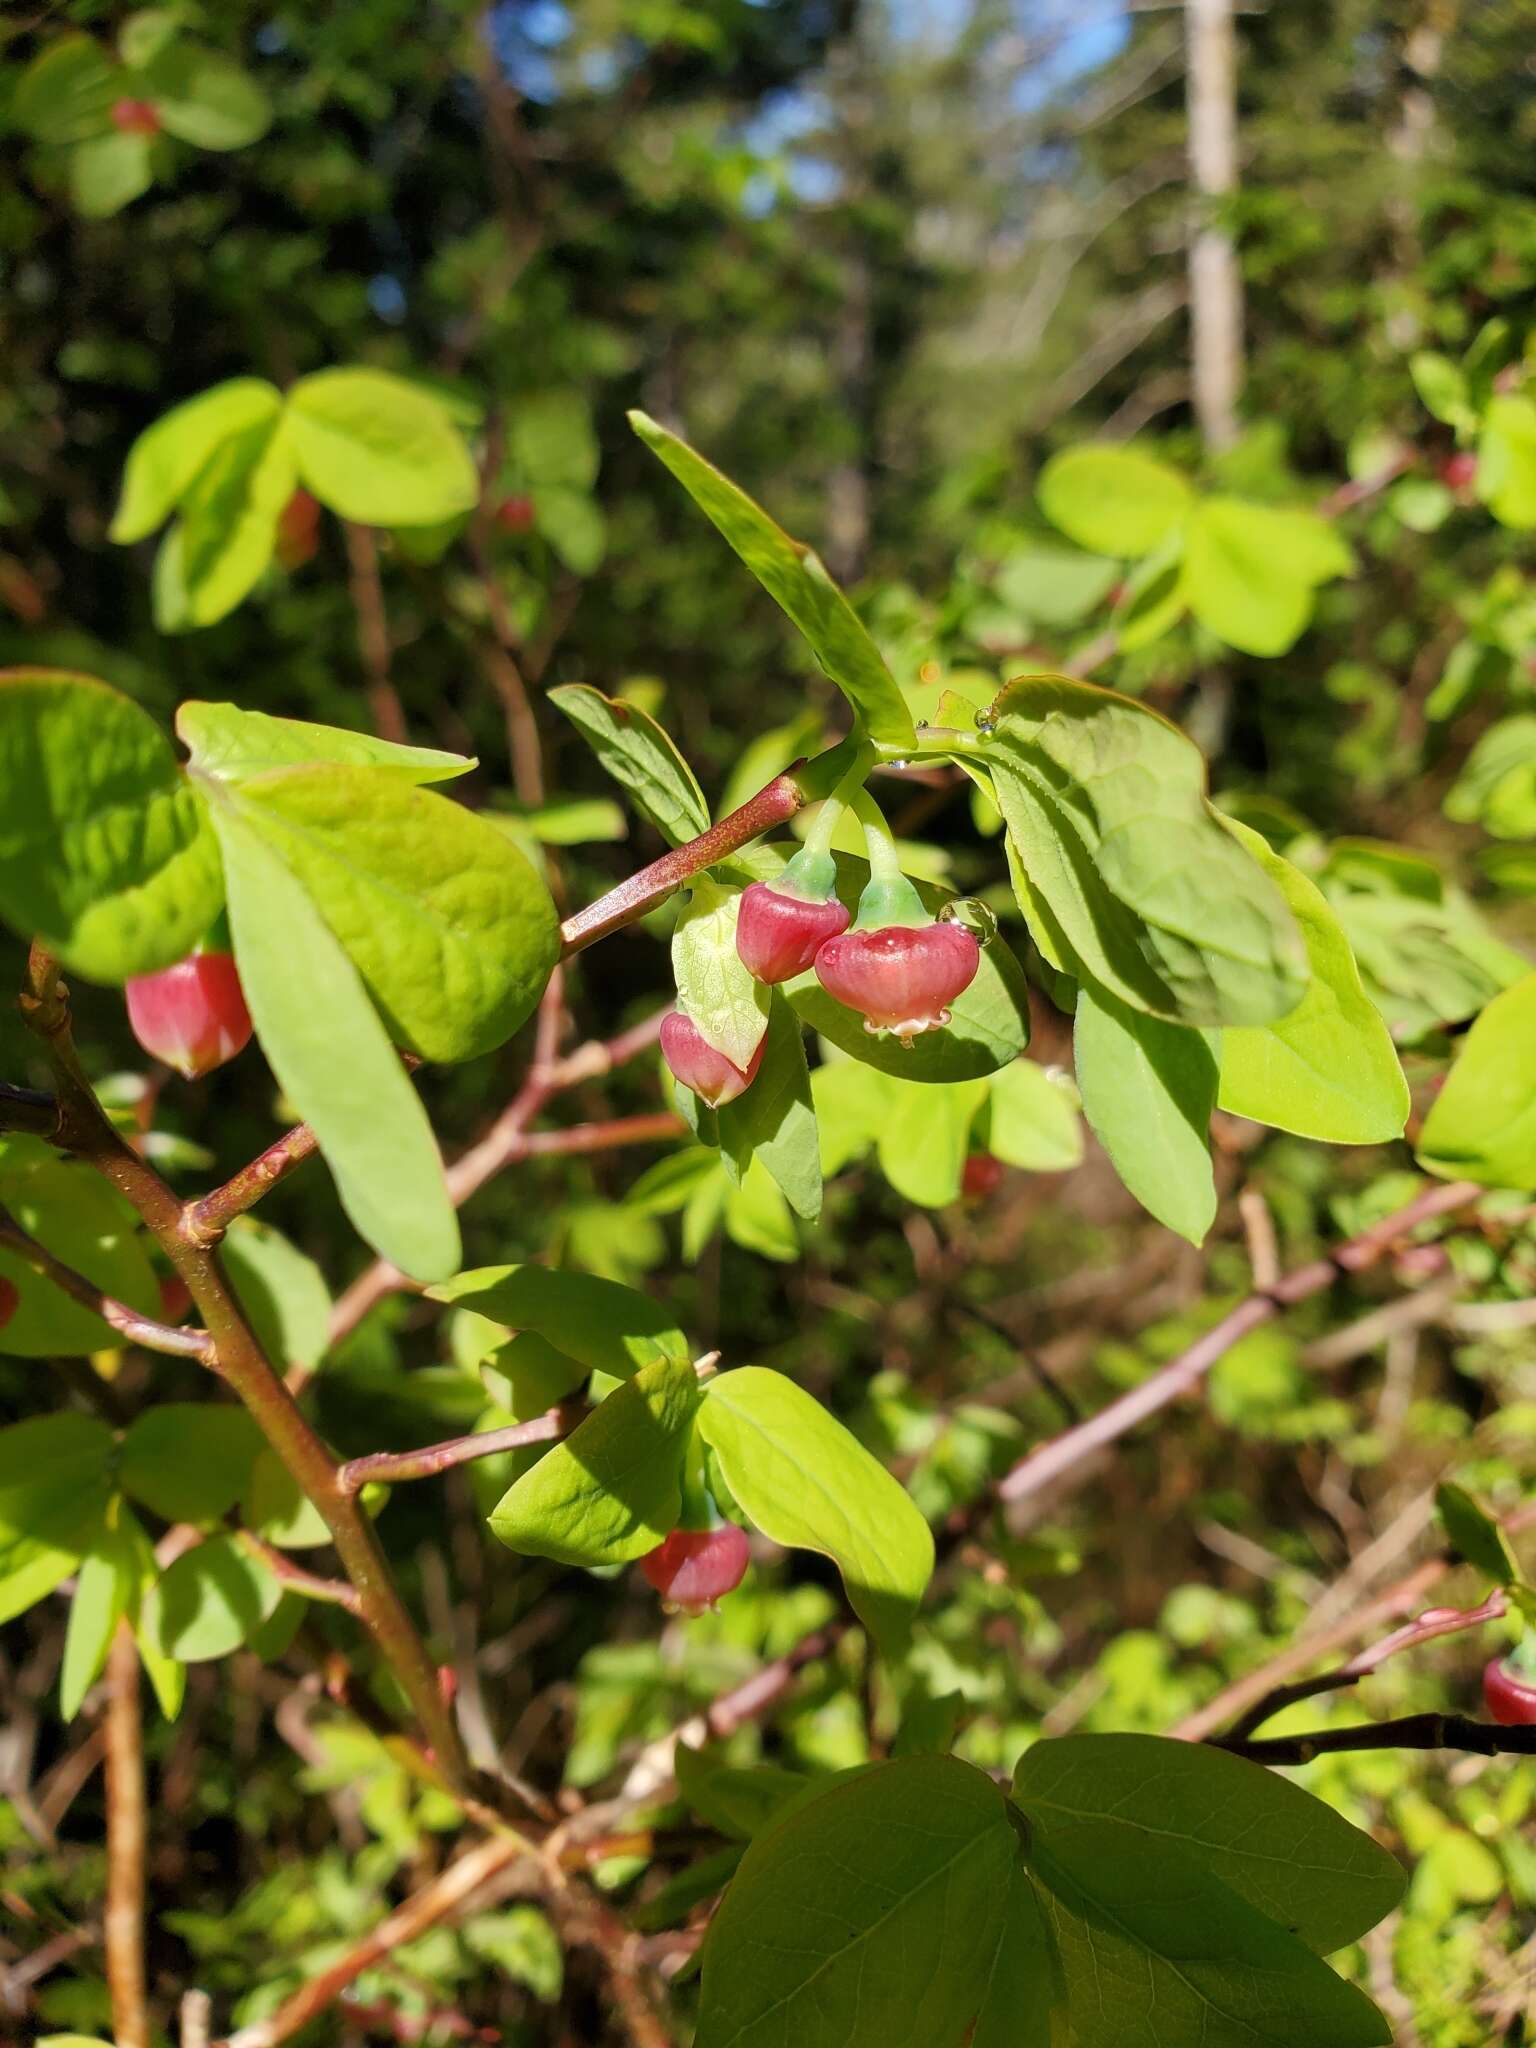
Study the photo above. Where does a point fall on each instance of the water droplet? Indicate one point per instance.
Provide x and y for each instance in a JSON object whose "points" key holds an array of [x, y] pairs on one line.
{"points": [[986, 723], [974, 915], [922, 725], [897, 767]]}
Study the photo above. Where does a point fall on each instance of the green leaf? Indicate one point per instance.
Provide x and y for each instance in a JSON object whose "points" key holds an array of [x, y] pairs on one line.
{"points": [[1288, 1854], [1148, 1089], [80, 1218], [204, 99], [551, 439], [1153, 1950], [757, 1217], [210, 1601], [1032, 1120], [1130, 878], [379, 449], [612, 1490], [1114, 501], [108, 172], [866, 1917], [640, 757], [1155, 598], [451, 930], [1021, 1993], [55, 1491], [145, 34], [575, 821], [329, 1051], [219, 548], [796, 579], [1442, 387], [274, 1505], [1497, 785], [740, 1802], [852, 1103], [520, 1942], [809, 1484], [925, 1136], [281, 1290], [1482, 1125], [573, 524], [1329, 1069], [1053, 587], [235, 745], [1474, 1535], [105, 854], [609, 1328], [1506, 461], [66, 92], [166, 458], [188, 1460], [106, 1589], [729, 1007], [774, 1120], [1250, 571]]}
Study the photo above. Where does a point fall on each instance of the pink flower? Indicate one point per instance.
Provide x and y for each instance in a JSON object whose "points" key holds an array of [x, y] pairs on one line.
{"points": [[192, 1015], [695, 1567], [694, 1062], [778, 935], [901, 977]]}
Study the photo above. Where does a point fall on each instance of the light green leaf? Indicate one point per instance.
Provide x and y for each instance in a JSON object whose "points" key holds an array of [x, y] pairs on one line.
{"points": [[852, 1103], [1053, 587], [1148, 1089], [1130, 879], [188, 1461], [774, 1120], [108, 172], [729, 1007], [66, 92], [612, 1490], [1506, 461], [1475, 1535], [1497, 785], [1442, 386], [281, 1290], [1328, 1070], [768, 754], [796, 579], [329, 1051], [145, 34], [204, 99], [1154, 600], [640, 757], [866, 1918], [756, 1216], [105, 854], [609, 1328], [1032, 1120], [273, 1504], [1115, 501], [166, 458], [924, 1139], [55, 1492], [210, 1601], [1250, 571], [235, 745], [573, 524], [1482, 1125], [451, 930], [520, 1942], [551, 439], [81, 1219], [1288, 1854], [575, 821], [1154, 1950], [219, 548], [378, 449], [811, 1485], [106, 1589]]}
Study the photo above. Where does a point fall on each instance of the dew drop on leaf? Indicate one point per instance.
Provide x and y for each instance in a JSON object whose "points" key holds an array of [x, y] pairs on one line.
{"points": [[974, 915]]}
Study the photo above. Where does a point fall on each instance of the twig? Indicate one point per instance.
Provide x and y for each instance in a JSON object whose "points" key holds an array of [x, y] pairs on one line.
{"points": [[446, 1894], [138, 1329], [1259, 1229], [1410, 1731], [333, 1592], [196, 2019], [367, 589], [392, 1467], [205, 1220], [1060, 1455], [123, 1920]]}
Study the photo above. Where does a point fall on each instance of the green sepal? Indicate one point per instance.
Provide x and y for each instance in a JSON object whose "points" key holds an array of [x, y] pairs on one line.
{"points": [[889, 900]]}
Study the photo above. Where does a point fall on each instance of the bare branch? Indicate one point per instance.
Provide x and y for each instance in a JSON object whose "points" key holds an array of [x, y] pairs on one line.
{"points": [[137, 1329], [123, 1920]]}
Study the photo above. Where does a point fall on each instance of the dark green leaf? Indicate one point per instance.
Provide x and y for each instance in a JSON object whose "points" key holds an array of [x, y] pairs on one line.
{"points": [[1475, 1535], [77, 1215], [640, 757], [774, 1120], [188, 1461]]}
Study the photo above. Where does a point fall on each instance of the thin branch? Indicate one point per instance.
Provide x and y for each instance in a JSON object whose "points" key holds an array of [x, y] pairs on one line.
{"points": [[642, 891], [136, 1328], [123, 1920], [367, 589], [27, 1109], [391, 1467], [1410, 1731], [333, 1592], [205, 1220], [1061, 1455]]}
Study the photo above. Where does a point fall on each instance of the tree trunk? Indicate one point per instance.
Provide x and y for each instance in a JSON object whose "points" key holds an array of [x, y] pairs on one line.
{"points": [[1215, 284]]}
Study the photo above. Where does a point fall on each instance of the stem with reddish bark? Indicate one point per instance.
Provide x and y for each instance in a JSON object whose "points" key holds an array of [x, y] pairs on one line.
{"points": [[391, 1467], [123, 1918], [128, 1323]]}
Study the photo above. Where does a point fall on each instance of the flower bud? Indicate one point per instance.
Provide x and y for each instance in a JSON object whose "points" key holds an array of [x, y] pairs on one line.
{"points": [[1508, 1698], [192, 1015], [901, 977], [982, 1176], [135, 117], [696, 1567], [778, 935], [694, 1062], [9, 1300], [298, 529]]}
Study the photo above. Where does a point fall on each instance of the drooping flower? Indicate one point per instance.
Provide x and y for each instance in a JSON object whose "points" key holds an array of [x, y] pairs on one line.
{"points": [[782, 925], [900, 977], [696, 1567], [192, 1015], [1510, 1699], [695, 1062]]}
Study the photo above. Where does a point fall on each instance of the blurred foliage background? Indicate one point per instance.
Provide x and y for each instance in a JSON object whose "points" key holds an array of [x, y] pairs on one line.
{"points": [[879, 258]]}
